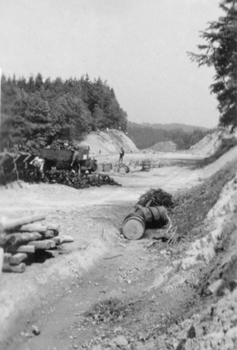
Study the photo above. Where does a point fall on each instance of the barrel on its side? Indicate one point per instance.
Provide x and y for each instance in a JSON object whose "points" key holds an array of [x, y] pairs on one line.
{"points": [[155, 217], [127, 169], [100, 168], [146, 213], [116, 168], [122, 169], [160, 217], [133, 226], [135, 223], [107, 167]]}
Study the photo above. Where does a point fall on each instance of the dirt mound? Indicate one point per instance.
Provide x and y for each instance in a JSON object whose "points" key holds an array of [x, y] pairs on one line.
{"points": [[210, 143], [109, 142], [167, 146]]}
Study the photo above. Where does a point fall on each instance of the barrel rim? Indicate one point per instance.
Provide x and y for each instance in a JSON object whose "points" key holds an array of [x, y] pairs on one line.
{"points": [[138, 220], [135, 217]]}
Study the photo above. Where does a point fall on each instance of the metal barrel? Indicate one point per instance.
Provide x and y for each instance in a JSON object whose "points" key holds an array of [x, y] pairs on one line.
{"points": [[160, 217], [146, 165], [134, 226]]}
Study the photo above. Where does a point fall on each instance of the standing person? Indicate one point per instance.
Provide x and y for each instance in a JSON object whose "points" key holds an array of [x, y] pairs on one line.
{"points": [[121, 154], [38, 164], [75, 159]]}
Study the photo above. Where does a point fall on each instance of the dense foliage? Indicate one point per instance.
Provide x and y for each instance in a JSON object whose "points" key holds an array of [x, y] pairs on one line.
{"points": [[220, 52], [37, 112], [156, 197], [145, 137]]}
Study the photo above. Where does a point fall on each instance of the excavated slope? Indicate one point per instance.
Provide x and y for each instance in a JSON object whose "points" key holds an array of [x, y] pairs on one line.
{"points": [[210, 143], [109, 142]]}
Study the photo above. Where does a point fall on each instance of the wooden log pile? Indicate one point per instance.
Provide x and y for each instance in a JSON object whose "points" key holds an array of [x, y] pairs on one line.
{"points": [[25, 240]]}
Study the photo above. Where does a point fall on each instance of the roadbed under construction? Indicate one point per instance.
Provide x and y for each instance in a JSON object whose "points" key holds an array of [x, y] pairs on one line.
{"points": [[106, 292]]}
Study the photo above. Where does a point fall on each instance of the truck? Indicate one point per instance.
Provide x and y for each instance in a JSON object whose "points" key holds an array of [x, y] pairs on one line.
{"points": [[62, 159]]}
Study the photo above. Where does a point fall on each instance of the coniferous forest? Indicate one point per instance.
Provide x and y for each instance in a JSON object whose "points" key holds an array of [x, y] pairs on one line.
{"points": [[37, 112], [145, 136]]}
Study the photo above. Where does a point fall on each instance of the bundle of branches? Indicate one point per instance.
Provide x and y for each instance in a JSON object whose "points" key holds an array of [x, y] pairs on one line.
{"points": [[156, 197], [71, 178], [107, 180], [66, 177]]}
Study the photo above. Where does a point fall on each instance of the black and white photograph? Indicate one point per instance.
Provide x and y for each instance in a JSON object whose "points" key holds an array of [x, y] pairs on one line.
{"points": [[118, 174]]}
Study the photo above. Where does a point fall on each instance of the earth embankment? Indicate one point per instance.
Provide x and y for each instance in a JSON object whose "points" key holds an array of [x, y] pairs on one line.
{"points": [[109, 142]]}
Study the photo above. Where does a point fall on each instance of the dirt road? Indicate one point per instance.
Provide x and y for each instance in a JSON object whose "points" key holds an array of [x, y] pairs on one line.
{"points": [[104, 292], [126, 278]]}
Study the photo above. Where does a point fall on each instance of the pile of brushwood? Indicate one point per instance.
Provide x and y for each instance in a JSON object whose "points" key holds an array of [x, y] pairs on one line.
{"points": [[188, 209], [156, 197], [72, 179]]}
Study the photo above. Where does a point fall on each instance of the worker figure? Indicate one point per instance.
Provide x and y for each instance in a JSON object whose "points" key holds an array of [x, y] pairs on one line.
{"points": [[75, 158], [121, 154], [38, 164]]}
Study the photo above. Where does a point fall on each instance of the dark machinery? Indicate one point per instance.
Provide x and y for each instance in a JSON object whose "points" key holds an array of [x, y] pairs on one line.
{"points": [[14, 166], [64, 159]]}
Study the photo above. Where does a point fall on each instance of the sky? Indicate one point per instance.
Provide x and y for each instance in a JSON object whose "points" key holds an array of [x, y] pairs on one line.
{"points": [[138, 46]]}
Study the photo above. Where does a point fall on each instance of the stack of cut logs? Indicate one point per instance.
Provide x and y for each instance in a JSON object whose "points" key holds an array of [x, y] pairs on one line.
{"points": [[26, 240]]}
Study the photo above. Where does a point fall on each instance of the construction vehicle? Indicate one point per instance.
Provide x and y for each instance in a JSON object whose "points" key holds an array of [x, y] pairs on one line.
{"points": [[22, 165], [65, 159]]}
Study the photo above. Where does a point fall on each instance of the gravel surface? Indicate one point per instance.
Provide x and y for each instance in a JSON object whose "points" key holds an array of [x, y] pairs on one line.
{"points": [[110, 293]]}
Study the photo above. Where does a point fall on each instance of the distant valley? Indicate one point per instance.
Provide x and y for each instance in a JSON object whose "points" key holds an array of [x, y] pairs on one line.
{"points": [[170, 126], [184, 136]]}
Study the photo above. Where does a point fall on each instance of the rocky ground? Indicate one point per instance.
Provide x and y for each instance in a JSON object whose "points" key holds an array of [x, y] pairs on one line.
{"points": [[109, 293]]}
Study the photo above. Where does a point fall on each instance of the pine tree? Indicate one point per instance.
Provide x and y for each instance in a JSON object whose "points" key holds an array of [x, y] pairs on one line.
{"points": [[220, 52], [36, 112]]}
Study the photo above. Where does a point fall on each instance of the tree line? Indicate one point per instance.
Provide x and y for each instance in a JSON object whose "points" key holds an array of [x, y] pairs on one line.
{"points": [[146, 136], [37, 112], [220, 52]]}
